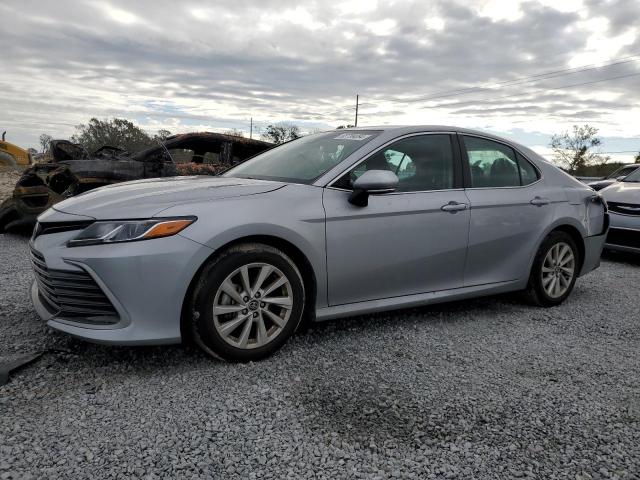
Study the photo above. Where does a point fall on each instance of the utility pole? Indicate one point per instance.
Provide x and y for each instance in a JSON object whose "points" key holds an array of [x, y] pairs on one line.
{"points": [[251, 129], [357, 101]]}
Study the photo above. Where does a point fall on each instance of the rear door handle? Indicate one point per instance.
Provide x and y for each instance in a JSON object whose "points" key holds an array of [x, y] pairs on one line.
{"points": [[454, 207], [539, 201]]}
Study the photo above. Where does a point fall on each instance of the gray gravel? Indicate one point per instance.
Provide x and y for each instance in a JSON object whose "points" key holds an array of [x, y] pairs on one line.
{"points": [[488, 388]]}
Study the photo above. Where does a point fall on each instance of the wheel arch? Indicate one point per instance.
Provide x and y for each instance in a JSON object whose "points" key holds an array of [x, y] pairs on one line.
{"points": [[570, 229], [576, 236], [297, 256]]}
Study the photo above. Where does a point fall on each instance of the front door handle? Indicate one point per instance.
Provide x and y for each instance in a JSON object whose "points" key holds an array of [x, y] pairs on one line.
{"points": [[454, 207], [539, 201]]}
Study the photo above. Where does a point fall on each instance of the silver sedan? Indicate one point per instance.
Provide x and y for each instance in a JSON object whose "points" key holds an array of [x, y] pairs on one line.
{"points": [[333, 224]]}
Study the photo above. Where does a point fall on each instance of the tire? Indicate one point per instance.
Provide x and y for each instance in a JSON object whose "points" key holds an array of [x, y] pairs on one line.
{"points": [[247, 325], [544, 270]]}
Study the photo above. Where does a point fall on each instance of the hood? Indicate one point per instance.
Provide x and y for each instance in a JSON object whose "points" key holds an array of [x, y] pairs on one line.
{"points": [[622, 192], [146, 198]]}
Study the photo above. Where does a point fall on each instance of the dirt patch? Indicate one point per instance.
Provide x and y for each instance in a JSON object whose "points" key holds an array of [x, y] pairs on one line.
{"points": [[8, 178]]}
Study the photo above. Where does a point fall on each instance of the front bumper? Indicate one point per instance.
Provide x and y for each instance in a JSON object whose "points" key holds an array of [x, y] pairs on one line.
{"points": [[145, 281], [624, 234]]}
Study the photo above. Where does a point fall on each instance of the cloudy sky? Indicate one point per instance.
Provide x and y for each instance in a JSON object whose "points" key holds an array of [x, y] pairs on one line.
{"points": [[524, 69]]}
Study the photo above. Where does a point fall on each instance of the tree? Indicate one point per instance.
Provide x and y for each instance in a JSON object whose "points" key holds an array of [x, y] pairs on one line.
{"points": [[162, 135], [345, 126], [117, 132], [281, 132], [45, 140], [637, 159], [234, 132], [572, 150]]}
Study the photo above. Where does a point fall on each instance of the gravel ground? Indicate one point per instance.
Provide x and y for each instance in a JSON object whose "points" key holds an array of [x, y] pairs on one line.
{"points": [[8, 178], [483, 389]]}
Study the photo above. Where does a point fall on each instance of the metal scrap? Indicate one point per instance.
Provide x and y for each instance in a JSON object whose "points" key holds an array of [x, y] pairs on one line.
{"points": [[73, 170]]}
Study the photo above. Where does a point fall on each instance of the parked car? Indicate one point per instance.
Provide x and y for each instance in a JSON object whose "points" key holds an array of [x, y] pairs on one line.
{"points": [[333, 224], [73, 170], [623, 200], [614, 177]]}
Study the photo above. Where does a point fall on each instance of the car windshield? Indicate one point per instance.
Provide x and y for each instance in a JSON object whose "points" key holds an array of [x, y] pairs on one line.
{"points": [[621, 172], [305, 159], [633, 177]]}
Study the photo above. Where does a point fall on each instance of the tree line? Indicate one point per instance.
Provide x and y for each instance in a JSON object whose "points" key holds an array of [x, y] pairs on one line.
{"points": [[124, 134], [576, 151]]}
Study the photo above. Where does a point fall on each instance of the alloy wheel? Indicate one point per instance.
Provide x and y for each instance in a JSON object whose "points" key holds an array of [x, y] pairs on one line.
{"points": [[252, 305], [558, 270]]}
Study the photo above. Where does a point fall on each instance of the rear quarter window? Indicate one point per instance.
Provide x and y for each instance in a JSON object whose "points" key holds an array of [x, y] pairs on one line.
{"points": [[528, 172]]}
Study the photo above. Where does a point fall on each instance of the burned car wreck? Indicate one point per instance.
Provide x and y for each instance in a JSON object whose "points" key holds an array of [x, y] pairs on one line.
{"points": [[73, 170]]}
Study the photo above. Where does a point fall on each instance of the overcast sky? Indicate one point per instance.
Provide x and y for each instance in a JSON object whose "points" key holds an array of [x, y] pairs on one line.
{"points": [[196, 65]]}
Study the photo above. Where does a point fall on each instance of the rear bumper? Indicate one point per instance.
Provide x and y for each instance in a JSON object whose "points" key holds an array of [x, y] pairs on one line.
{"points": [[592, 251]]}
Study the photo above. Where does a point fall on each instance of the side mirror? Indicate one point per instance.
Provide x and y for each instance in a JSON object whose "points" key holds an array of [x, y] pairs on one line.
{"points": [[620, 178], [372, 182]]}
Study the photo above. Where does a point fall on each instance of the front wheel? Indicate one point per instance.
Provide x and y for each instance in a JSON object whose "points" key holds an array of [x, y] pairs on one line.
{"points": [[554, 271], [248, 301]]}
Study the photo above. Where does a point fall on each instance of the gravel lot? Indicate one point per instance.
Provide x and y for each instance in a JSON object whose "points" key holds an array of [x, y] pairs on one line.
{"points": [[8, 178], [486, 389]]}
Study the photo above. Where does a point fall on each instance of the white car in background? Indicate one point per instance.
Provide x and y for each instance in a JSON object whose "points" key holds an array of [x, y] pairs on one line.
{"points": [[623, 198]]}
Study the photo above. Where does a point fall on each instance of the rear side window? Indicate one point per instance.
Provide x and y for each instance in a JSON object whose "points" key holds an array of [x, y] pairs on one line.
{"points": [[528, 173], [493, 164]]}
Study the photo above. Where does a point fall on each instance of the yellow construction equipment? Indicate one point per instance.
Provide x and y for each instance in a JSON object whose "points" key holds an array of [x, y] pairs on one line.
{"points": [[11, 155]]}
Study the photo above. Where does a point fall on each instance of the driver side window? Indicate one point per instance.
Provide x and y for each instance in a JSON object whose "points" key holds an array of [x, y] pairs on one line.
{"points": [[421, 163]]}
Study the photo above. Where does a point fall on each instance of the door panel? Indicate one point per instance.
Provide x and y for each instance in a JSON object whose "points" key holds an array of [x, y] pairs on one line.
{"points": [[504, 232], [400, 244], [509, 210]]}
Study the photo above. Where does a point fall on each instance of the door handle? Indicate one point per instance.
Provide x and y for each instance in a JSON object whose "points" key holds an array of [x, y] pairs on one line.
{"points": [[539, 201], [454, 207]]}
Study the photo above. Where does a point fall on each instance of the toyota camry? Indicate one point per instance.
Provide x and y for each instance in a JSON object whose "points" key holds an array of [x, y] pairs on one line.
{"points": [[333, 224]]}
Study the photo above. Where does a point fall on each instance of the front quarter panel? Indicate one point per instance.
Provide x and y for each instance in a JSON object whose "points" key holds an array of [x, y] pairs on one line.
{"points": [[293, 213]]}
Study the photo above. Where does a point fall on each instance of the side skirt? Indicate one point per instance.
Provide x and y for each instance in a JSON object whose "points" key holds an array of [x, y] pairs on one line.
{"points": [[420, 299]]}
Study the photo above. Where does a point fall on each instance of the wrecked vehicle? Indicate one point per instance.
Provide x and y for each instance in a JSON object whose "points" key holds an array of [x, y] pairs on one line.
{"points": [[73, 170]]}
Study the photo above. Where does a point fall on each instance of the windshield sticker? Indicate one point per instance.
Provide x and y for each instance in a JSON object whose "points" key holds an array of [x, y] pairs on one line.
{"points": [[352, 136]]}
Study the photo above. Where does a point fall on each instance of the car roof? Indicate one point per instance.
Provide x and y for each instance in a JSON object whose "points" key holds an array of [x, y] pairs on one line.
{"points": [[407, 129], [391, 132]]}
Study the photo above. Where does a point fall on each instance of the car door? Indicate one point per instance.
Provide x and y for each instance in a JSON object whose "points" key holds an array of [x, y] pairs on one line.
{"points": [[510, 208], [407, 242]]}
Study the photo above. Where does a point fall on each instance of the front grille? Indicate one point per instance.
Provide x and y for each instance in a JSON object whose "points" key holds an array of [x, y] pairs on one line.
{"points": [[72, 294], [44, 228], [624, 208], [624, 238]]}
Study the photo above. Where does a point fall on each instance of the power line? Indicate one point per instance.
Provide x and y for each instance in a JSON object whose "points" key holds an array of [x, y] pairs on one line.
{"points": [[522, 80], [506, 83], [562, 87], [623, 151]]}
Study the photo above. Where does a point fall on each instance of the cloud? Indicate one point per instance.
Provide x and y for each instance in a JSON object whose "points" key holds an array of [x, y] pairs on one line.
{"points": [[179, 65]]}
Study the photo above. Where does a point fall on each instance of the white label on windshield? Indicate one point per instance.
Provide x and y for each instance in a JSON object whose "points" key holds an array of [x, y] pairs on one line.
{"points": [[352, 136]]}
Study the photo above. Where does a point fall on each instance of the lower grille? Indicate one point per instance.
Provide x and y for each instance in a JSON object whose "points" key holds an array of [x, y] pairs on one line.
{"points": [[72, 294], [624, 238]]}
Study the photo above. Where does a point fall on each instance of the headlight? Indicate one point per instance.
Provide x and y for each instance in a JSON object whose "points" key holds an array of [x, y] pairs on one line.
{"points": [[129, 230]]}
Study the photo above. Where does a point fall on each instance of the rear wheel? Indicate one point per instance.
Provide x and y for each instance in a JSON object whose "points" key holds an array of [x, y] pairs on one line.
{"points": [[554, 271], [248, 301]]}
